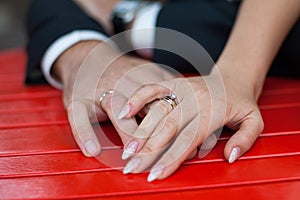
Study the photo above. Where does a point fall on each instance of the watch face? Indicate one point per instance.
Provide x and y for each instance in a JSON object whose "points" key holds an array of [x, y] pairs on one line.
{"points": [[125, 10], [126, 7], [124, 13]]}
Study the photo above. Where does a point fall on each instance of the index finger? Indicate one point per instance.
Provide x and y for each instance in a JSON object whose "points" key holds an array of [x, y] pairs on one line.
{"points": [[186, 142], [112, 104]]}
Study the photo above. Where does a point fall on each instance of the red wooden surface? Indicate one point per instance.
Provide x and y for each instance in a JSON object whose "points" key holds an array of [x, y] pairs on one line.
{"points": [[40, 160]]}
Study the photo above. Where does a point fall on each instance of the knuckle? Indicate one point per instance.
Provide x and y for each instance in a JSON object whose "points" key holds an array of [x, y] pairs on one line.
{"points": [[260, 123], [142, 90], [170, 125], [127, 130], [262, 126], [136, 98], [171, 158], [141, 133], [163, 107], [202, 94], [149, 88], [188, 137], [149, 148], [163, 90]]}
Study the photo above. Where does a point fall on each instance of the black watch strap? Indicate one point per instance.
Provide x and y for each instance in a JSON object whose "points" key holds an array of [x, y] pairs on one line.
{"points": [[118, 24]]}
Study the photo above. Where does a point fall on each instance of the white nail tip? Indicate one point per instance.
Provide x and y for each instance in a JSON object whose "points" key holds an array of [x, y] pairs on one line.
{"points": [[126, 155], [151, 177], [130, 149], [155, 173], [131, 165], [234, 154], [124, 112], [91, 147]]}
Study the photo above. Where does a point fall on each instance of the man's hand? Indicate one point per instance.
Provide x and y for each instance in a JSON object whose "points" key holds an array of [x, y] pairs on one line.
{"points": [[89, 69]]}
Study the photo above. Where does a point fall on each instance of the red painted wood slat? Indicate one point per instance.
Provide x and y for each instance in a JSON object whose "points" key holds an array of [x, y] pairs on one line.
{"points": [[39, 158], [62, 163], [110, 183]]}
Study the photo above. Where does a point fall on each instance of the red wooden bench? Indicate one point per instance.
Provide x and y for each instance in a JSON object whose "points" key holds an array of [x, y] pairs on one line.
{"points": [[40, 160]]}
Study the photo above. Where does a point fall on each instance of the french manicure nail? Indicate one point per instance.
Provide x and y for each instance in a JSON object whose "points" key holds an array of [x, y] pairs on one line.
{"points": [[91, 147], [125, 111], [155, 173], [130, 149], [235, 152], [131, 165]]}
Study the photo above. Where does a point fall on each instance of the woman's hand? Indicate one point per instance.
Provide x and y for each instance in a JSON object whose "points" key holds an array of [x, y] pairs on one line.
{"points": [[89, 69], [166, 136]]}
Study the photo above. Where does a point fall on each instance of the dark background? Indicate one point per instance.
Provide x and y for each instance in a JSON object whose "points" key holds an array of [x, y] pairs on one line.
{"points": [[12, 28]]}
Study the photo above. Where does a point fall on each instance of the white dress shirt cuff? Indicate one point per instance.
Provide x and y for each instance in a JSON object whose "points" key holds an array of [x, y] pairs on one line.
{"points": [[61, 45], [143, 32]]}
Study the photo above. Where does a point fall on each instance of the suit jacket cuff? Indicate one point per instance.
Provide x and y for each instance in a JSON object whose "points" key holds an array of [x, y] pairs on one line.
{"points": [[61, 45], [46, 22]]}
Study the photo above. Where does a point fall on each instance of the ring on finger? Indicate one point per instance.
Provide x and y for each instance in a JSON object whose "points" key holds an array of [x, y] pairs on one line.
{"points": [[171, 99]]}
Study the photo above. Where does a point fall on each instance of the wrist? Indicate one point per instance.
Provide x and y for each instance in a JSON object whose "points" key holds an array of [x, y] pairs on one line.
{"points": [[247, 79], [70, 60]]}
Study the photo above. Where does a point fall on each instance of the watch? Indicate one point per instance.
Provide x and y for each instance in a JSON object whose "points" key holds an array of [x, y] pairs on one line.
{"points": [[124, 12]]}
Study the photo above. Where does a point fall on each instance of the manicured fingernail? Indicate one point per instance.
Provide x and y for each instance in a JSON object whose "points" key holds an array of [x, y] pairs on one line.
{"points": [[235, 152], [91, 147], [130, 149], [131, 165], [125, 111], [155, 173]]}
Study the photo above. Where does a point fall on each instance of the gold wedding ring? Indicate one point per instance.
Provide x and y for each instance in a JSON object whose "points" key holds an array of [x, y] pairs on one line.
{"points": [[170, 99]]}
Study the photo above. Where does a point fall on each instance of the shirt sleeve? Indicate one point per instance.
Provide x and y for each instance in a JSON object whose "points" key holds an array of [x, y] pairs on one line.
{"points": [[143, 32], [61, 45]]}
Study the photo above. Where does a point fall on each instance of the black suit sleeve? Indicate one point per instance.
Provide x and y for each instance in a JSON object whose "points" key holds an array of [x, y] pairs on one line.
{"points": [[209, 22], [48, 20]]}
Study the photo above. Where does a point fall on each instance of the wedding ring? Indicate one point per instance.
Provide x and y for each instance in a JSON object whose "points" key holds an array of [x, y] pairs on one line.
{"points": [[105, 94], [170, 99]]}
